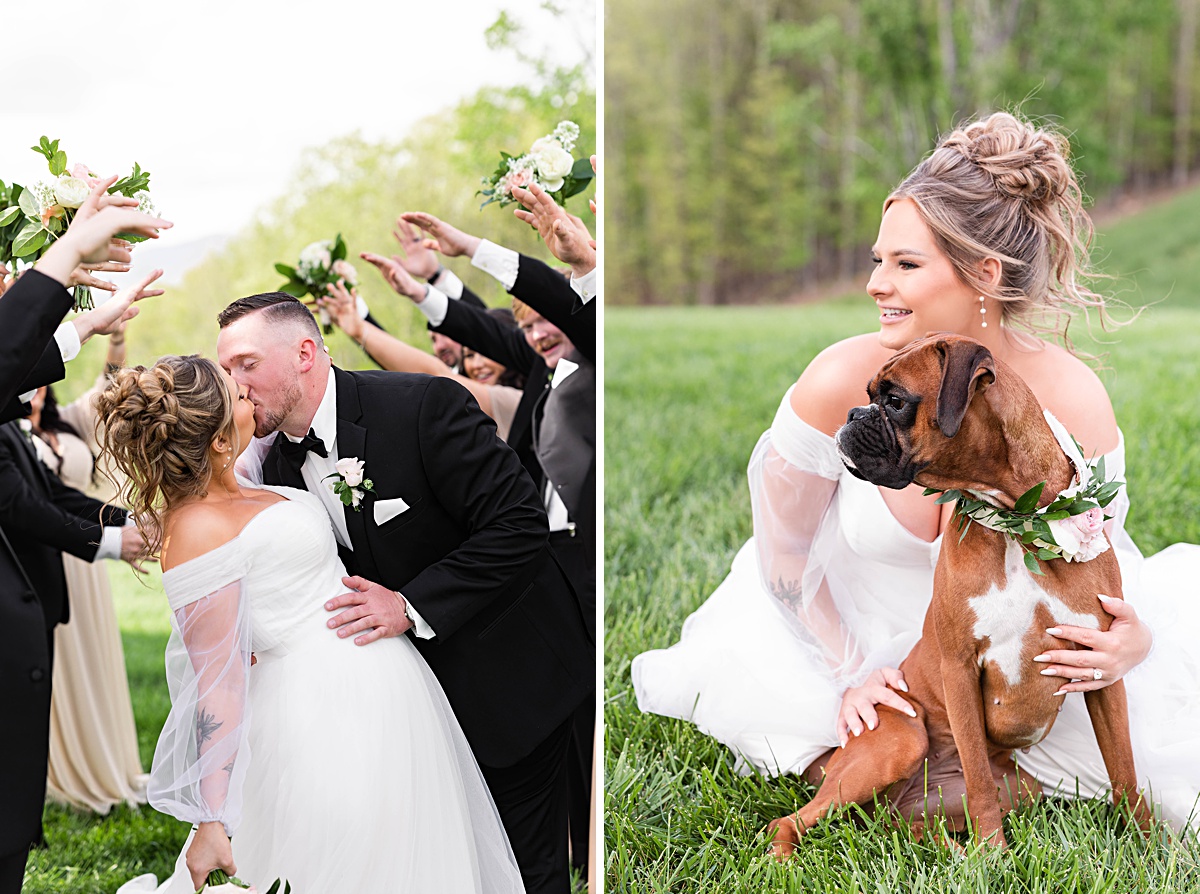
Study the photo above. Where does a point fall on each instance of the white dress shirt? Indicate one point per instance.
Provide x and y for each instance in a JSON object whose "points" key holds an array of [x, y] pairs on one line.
{"points": [[315, 472]]}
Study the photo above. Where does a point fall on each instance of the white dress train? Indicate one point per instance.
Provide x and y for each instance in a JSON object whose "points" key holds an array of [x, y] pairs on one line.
{"points": [[832, 586], [336, 766]]}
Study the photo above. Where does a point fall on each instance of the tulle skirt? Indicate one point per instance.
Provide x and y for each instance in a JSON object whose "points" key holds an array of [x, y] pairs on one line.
{"points": [[360, 780], [740, 676]]}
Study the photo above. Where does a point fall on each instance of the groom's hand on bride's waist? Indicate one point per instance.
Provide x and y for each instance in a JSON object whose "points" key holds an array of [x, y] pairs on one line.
{"points": [[369, 609]]}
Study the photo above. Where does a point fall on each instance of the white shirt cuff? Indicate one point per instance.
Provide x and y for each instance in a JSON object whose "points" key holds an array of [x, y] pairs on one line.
{"points": [[585, 286], [434, 306], [67, 337], [110, 545], [498, 261], [420, 626], [449, 284], [361, 307]]}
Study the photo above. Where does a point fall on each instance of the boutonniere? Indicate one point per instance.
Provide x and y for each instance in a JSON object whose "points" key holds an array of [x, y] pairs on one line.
{"points": [[350, 486], [26, 428]]}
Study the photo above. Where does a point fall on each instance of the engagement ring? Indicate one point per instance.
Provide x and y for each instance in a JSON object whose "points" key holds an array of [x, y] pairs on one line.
{"points": [[1097, 674]]}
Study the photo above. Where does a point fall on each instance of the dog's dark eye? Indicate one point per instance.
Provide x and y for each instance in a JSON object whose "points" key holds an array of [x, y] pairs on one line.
{"points": [[894, 402]]}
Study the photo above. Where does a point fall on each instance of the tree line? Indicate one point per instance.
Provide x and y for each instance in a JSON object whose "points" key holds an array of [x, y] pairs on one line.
{"points": [[749, 146]]}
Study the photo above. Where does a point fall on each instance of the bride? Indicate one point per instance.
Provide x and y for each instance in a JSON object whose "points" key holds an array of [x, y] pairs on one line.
{"points": [[333, 785], [793, 651]]}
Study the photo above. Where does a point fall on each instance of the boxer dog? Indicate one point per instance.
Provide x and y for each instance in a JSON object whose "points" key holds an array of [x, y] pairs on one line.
{"points": [[946, 414]]}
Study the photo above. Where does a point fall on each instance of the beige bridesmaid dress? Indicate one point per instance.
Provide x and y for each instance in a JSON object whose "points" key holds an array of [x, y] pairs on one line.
{"points": [[94, 760]]}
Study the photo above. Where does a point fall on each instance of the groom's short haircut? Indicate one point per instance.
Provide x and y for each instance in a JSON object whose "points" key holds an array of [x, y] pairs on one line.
{"points": [[277, 307]]}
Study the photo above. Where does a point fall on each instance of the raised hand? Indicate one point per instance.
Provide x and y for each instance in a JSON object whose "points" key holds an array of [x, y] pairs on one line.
{"points": [[419, 258], [111, 316], [564, 234], [342, 305], [450, 241], [90, 239], [369, 607], [397, 277]]}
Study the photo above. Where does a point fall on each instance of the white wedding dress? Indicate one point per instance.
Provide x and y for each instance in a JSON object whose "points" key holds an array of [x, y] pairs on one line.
{"points": [[764, 674], [336, 766]]}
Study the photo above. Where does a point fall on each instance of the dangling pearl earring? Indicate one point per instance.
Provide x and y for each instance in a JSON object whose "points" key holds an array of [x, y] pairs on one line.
{"points": [[982, 312], [230, 450]]}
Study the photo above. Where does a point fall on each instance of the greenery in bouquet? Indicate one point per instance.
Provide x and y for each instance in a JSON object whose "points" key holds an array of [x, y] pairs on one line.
{"points": [[219, 882], [33, 217], [321, 264], [548, 163]]}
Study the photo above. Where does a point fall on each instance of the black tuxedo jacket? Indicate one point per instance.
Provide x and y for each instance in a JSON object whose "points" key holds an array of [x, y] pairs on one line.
{"points": [[43, 518], [29, 313], [574, 472], [547, 292], [49, 369], [512, 649]]}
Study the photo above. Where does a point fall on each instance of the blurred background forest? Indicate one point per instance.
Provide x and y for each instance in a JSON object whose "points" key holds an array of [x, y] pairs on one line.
{"points": [[358, 187], [749, 146]]}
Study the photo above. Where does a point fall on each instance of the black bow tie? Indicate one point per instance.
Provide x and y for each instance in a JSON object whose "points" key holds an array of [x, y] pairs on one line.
{"points": [[293, 452]]}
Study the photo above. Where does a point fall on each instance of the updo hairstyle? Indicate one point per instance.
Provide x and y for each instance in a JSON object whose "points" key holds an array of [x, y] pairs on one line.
{"points": [[158, 425], [1004, 188]]}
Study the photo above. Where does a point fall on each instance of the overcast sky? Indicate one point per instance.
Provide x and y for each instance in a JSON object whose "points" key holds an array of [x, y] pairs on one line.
{"points": [[217, 99]]}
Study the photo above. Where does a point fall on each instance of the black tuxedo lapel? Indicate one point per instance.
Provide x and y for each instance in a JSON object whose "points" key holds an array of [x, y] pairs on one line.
{"points": [[35, 471], [352, 442]]}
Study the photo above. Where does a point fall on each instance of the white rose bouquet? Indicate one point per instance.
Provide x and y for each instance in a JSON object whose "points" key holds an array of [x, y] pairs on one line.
{"points": [[32, 218], [320, 264], [548, 163]]}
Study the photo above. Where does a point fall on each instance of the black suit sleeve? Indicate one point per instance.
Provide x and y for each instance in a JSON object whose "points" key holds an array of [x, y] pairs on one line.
{"points": [[471, 298], [68, 521], [30, 311], [547, 292], [474, 328], [49, 368], [482, 485]]}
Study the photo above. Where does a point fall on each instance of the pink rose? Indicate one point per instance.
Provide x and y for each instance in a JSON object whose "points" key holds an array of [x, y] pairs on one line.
{"points": [[1081, 536], [82, 172], [520, 177]]}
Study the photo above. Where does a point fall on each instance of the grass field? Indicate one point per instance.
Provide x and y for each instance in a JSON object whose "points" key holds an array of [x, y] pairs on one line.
{"points": [[687, 393]]}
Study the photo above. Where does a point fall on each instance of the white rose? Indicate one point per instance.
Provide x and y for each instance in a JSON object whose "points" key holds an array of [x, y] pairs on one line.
{"points": [[351, 469], [345, 270], [71, 192], [553, 162], [227, 888], [315, 254]]}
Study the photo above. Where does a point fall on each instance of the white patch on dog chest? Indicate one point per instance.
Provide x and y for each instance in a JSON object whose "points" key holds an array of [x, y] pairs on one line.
{"points": [[1005, 614]]}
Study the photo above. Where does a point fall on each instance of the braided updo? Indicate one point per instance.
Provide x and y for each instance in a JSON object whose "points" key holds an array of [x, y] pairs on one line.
{"points": [[158, 425], [1004, 188]]}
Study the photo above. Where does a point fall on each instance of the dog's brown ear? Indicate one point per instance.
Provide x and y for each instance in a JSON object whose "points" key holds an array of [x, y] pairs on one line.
{"points": [[967, 368]]}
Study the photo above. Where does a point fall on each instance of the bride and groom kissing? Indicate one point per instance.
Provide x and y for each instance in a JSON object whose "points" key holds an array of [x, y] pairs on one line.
{"points": [[364, 775]]}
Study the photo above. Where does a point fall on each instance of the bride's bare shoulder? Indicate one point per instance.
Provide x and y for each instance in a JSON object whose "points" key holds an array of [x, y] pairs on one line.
{"points": [[193, 530], [1071, 390], [836, 380]]}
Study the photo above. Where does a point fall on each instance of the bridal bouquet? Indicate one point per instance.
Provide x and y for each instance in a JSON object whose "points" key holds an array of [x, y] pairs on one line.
{"points": [[548, 163], [321, 264], [32, 218], [220, 883]]}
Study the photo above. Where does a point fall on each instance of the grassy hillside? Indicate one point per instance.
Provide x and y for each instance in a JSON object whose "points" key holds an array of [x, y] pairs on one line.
{"points": [[687, 393]]}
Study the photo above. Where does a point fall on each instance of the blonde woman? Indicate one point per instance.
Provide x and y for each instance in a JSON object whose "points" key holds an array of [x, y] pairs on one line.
{"points": [[986, 238]]}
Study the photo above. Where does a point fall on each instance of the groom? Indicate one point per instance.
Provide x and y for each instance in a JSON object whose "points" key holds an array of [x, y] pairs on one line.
{"points": [[451, 543]]}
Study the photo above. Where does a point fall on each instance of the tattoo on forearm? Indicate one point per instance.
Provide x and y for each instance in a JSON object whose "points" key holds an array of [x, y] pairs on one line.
{"points": [[789, 593], [206, 725], [228, 768]]}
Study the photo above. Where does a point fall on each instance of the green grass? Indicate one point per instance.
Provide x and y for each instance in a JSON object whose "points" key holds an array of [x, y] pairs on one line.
{"points": [[88, 854], [687, 393]]}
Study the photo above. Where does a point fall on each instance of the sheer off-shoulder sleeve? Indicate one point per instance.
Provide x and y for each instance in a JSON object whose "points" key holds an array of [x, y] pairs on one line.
{"points": [[202, 755], [794, 472]]}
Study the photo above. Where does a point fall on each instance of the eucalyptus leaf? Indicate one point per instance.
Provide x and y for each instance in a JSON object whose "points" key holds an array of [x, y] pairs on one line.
{"points": [[1028, 501]]}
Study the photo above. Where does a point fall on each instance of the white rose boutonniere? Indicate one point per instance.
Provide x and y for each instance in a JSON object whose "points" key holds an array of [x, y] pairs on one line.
{"points": [[351, 485]]}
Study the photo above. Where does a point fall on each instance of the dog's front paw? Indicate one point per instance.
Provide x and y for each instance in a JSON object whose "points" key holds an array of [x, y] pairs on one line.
{"points": [[785, 837]]}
